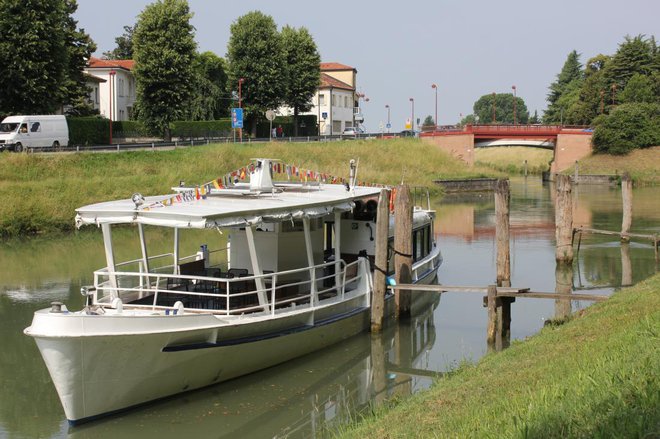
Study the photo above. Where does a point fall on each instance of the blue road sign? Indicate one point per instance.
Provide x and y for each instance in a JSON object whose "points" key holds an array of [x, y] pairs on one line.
{"points": [[389, 125], [237, 118]]}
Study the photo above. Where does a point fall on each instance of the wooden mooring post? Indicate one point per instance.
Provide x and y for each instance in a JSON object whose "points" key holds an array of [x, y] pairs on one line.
{"points": [[403, 248], [380, 269], [564, 220], [502, 233], [626, 196]]}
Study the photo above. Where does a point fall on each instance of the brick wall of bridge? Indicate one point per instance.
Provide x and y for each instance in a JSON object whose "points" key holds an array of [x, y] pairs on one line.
{"points": [[569, 148], [460, 146]]}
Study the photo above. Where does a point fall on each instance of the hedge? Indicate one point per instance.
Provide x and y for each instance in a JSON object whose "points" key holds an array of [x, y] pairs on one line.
{"points": [[306, 126], [88, 131]]}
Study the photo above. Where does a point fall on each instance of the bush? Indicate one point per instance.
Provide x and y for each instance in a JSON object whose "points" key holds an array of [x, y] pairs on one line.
{"points": [[88, 130], [129, 128], [202, 128], [627, 127]]}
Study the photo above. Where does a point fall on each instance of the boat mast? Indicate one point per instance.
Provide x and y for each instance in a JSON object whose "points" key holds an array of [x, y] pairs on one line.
{"points": [[310, 260], [256, 268]]}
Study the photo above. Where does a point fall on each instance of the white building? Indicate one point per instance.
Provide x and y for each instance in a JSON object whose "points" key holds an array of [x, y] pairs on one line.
{"points": [[114, 95], [336, 103]]}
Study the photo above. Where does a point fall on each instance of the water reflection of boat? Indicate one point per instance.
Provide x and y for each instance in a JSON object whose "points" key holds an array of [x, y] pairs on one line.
{"points": [[297, 279], [300, 399]]}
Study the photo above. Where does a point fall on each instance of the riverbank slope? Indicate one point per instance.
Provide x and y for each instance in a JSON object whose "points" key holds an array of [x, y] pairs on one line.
{"points": [[595, 376], [40, 192]]}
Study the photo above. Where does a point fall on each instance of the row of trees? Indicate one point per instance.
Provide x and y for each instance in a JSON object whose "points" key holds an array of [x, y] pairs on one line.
{"points": [[619, 95], [43, 53], [499, 108], [175, 82]]}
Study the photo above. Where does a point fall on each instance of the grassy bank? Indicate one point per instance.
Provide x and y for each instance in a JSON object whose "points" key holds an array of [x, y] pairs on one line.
{"points": [[643, 165], [512, 159], [596, 376], [40, 192]]}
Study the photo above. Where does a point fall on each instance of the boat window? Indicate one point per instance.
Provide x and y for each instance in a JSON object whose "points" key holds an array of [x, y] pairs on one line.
{"points": [[8, 127]]}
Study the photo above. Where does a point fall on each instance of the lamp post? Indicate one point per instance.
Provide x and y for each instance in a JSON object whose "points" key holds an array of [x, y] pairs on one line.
{"points": [[494, 95], [515, 119], [388, 117], [435, 87], [412, 119], [111, 87], [240, 105]]}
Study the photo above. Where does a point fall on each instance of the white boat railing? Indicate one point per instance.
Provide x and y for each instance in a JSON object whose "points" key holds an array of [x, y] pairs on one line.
{"points": [[228, 295]]}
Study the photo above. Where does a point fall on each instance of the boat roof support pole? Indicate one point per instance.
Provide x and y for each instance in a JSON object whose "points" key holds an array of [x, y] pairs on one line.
{"points": [[310, 260], [175, 263], [145, 255], [338, 276], [109, 257], [256, 268]]}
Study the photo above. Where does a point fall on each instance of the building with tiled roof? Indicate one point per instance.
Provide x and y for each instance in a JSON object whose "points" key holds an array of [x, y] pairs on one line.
{"points": [[114, 95], [336, 103]]}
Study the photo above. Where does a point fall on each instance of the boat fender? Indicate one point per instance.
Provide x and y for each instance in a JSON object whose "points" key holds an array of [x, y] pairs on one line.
{"points": [[178, 308], [118, 305], [390, 281]]}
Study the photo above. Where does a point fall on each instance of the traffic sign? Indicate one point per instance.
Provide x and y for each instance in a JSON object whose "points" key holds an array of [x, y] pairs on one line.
{"points": [[408, 124], [270, 115], [388, 126], [237, 118], [324, 115]]}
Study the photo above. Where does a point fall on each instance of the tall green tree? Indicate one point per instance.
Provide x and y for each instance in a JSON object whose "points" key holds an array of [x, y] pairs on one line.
{"points": [[164, 53], [255, 54], [124, 42], [585, 101], [42, 53], [567, 80], [636, 55], [483, 109], [640, 88], [303, 70], [211, 100]]}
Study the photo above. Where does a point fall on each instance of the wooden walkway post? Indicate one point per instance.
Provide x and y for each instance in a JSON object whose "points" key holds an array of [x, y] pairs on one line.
{"points": [[564, 286], [403, 248], [380, 269], [493, 320], [564, 220], [502, 233], [627, 197], [626, 265]]}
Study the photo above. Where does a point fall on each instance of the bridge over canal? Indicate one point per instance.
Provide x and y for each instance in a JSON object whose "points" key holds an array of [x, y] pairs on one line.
{"points": [[568, 143]]}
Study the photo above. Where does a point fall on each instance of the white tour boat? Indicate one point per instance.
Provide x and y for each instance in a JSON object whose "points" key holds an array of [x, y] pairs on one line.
{"points": [[294, 275]]}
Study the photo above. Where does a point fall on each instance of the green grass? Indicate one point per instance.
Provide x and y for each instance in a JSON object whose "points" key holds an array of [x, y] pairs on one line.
{"points": [[598, 375], [643, 165], [512, 159], [40, 192]]}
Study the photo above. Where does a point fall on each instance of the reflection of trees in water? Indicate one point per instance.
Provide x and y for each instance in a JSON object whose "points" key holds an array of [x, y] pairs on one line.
{"points": [[604, 263]]}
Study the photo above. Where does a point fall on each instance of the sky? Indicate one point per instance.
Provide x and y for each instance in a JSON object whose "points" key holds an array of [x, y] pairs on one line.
{"points": [[467, 48]]}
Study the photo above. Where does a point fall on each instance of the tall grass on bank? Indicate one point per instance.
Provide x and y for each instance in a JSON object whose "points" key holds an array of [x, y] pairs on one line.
{"points": [[511, 159], [596, 376], [643, 165], [39, 193]]}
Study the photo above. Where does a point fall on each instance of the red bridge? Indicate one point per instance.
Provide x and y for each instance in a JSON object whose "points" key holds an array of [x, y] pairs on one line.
{"points": [[569, 143]]}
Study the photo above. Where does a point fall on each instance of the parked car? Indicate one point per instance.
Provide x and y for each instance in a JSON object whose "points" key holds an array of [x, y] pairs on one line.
{"points": [[409, 133], [21, 133], [353, 131]]}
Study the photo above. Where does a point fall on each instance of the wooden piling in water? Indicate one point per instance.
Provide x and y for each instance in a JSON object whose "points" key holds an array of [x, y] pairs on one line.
{"points": [[564, 220], [493, 317], [502, 233], [626, 195], [380, 269], [626, 265], [403, 248]]}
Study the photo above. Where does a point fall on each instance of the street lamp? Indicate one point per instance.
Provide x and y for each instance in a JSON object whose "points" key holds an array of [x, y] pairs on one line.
{"points": [[412, 120], [515, 120], [111, 87], [494, 95], [388, 118], [435, 87]]}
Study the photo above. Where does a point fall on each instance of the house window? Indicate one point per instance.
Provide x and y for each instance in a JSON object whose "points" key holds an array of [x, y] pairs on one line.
{"points": [[96, 95], [334, 100], [120, 88], [336, 126], [346, 101], [321, 99]]}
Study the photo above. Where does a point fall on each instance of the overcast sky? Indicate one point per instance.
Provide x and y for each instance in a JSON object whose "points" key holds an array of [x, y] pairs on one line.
{"points": [[468, 48]]}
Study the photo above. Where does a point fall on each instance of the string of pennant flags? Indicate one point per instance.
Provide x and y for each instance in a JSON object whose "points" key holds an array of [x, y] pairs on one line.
{"points": [[230, 179]]}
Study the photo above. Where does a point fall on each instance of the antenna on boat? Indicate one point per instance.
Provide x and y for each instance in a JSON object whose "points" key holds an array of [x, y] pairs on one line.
{"points": [[352, 175]]}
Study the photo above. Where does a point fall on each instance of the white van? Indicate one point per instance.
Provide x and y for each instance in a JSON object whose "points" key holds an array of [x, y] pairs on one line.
{"points": [[21, 133]]}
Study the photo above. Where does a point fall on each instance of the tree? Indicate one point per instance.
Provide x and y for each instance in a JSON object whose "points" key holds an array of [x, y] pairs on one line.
{"points": [[535, 119], [428, 122], [255, 54], [634, 55], [164, 52], [42, 53], [584, 102], [640, 89], [629, 126], [303, 70], [567, 80], [124, 42], [483, 109], [210, 101]]}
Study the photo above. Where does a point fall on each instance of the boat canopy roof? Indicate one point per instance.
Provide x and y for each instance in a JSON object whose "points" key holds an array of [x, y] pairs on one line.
{"points": [[234, 207]]}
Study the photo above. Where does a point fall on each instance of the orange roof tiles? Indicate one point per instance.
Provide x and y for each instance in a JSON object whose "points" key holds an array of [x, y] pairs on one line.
{"points": [[98, 63], [328, 81], [327, 66]]}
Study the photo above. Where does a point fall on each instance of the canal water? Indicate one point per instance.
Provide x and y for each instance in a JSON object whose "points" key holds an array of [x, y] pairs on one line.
{"points": [[324, 390]]}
